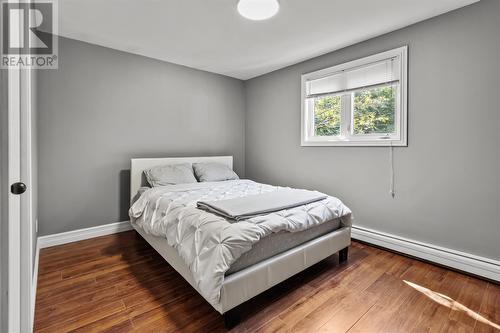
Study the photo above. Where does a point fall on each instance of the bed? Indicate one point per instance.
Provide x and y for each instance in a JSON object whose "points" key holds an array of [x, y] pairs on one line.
{"points": [[251, 269]]}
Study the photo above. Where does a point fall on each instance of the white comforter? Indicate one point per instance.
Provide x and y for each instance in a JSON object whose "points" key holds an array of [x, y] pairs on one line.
{"points": [[208, 243]]}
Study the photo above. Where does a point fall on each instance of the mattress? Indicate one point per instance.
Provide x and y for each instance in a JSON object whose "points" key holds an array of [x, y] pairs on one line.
{"points": [[280, 242], [209, 244]]}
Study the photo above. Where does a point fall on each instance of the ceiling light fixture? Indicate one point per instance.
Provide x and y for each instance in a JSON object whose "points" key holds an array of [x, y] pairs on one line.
{"points": [[258, 9]]}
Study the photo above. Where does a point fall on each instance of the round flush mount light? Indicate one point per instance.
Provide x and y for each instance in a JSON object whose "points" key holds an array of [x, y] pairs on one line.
{"points": [[258, 9]]}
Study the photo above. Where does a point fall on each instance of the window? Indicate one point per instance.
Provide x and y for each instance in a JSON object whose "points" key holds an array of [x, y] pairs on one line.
{"points": [[359, 103]]}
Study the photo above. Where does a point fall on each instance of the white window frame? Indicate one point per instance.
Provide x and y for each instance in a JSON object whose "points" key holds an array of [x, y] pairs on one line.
{"points": [[346, 138]]}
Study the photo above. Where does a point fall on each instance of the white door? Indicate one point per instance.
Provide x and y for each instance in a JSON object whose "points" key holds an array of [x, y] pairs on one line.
{"points": [[14, 201], [17, 198], [19, 211], [27, 218]]}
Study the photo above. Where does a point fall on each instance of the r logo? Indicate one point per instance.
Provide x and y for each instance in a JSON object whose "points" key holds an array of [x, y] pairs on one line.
{"points": [[27, 28], [29, 34]]}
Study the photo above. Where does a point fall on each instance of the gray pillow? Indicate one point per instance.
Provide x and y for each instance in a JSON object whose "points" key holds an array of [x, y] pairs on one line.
{"points": [[213, 172], [170, 175]]}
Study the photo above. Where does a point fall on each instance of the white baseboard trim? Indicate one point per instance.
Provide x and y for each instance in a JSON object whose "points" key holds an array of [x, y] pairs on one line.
{"points": [[82, 234], [34, 283], [462, 261]]}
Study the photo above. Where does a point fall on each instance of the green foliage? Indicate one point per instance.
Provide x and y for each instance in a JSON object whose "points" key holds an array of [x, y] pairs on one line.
{"points": [[374, 111], [327, 115]]}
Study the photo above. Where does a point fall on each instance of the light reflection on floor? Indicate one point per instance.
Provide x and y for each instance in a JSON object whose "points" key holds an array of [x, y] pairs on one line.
{"points": [[451, 303]]}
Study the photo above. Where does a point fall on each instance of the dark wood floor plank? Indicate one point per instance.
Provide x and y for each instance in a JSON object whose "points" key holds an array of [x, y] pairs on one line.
{"points": [[489, 314], [110, 263], [118, 322], [79, 306], [275, 325], [118, 283], [418, 301], [274, 302], [64, 286], [342, 285], [171, 318], [391, 294], [84, 294], [48, 279], [468, 302], [139, 271], [97, 313], [447, 291], [338, 314]]}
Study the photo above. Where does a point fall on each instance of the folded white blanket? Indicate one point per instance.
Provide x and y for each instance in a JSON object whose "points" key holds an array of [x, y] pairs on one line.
{"points": [[254, 205], [209, 243]]}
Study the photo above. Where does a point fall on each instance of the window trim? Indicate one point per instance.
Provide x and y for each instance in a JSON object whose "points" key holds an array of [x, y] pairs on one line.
{"points": [[401, 120]]}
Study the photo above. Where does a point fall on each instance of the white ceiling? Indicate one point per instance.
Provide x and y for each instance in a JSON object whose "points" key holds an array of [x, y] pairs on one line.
{"points": [[210, 35]]}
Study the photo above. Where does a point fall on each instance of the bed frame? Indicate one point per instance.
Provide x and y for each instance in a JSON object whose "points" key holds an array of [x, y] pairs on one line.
{"points": [[251, 281]]}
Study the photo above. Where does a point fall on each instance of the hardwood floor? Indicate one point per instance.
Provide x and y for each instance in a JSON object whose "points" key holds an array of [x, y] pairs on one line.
{"points": [[118, 283]]}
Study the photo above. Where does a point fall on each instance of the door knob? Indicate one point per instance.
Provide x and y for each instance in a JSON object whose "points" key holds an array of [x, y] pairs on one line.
{"points": [[18, 188]]}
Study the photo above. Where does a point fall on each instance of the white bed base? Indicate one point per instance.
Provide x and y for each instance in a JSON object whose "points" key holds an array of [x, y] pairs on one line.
{"points": [[251, 281]]}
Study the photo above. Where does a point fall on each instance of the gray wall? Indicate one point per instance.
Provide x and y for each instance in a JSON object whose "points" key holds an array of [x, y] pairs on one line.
{"points": [[447, 180], [103, 107]]}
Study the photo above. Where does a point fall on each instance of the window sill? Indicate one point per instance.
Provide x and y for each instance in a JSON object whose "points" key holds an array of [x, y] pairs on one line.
{"points": [[347, 143]]}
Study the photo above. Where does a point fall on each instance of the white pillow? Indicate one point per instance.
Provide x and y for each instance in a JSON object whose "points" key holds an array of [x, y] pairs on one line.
{"points": [[213, 172], [170, 175]]}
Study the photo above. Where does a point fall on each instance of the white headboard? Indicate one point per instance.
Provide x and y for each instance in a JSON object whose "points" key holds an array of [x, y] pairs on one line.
{"points": [[138, 165]]}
